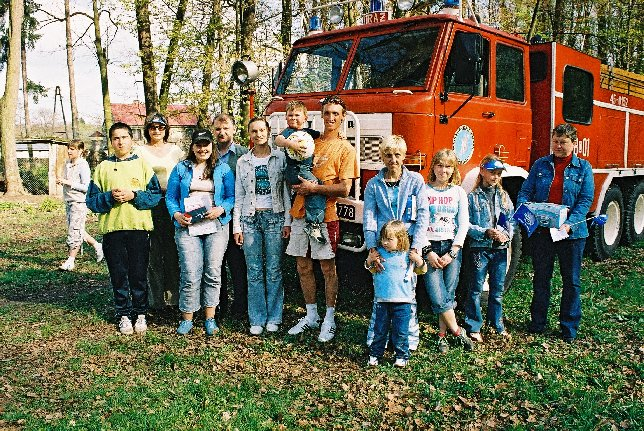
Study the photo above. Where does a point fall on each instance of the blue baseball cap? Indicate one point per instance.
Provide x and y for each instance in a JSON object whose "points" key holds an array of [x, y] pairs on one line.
{"points": [[492, 165]]}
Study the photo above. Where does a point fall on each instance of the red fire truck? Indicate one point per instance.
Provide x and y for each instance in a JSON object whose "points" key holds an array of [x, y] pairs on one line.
{"points": [[442, 81]]}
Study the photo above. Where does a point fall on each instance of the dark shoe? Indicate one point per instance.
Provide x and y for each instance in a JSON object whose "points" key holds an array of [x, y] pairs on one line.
{"points": [[465, 340], [569, 340], [536, 331]]}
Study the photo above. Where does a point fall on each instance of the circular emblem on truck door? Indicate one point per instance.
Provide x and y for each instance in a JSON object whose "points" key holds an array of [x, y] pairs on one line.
{"points": [[463, 143]]}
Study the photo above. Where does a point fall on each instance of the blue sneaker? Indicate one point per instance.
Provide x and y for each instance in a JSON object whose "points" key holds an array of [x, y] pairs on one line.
{"points": [[184, 327], [211, 327]]}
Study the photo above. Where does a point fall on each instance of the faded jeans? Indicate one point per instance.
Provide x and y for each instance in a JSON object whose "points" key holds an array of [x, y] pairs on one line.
{"points": [[481, 263], [413, 333], [441, 283], [263, 250], [200, 259]]}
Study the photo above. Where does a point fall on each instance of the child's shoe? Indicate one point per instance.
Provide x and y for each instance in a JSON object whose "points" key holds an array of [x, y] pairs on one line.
{"points": [[140, 326], [373, 361], [256, 330], [210, 326], [99, 252], [400, 363], [272, 327], [465, 340], [68, 265], [125, 326], [476, 337], [184, 327]]}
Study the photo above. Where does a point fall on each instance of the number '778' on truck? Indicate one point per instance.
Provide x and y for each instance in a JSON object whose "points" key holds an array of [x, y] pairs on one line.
{"points": [[441, 81]]}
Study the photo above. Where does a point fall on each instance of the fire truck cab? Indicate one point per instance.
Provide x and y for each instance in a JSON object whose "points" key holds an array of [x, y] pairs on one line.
{"points": [[442, 81]]}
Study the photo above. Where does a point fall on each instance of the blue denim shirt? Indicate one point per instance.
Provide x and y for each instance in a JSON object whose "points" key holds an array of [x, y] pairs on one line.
{"points": [[179, 189], [578, 190], [378, 210], [245, 198], [480, 215]]}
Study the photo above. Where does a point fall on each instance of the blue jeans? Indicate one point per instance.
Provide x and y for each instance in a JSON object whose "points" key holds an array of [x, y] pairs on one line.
{"points": [[483, 262], [200, 259], [314, 204], [570, 253], [413, 332], [396, 315], [441, 283], [127, 253], [263, 251]]}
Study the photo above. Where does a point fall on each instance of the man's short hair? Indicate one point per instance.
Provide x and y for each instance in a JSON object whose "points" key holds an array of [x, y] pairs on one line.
{"points": [[334, 100], [120, 125], [566, 130], [296, 105], [224, 117]]}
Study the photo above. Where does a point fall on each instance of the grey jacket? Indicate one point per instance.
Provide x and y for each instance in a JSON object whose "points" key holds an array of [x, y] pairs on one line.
{"points": [[245, 199]]}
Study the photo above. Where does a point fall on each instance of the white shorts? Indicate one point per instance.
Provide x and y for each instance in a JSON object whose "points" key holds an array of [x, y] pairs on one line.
{"points": [[299, 242]]}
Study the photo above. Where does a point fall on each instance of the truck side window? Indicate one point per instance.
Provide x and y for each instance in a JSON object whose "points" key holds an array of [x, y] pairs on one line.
{"points": [[509, 73], [450, 74], [577, 95]]}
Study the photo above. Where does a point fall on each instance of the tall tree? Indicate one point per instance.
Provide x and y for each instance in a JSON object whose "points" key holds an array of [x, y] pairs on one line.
{"points": [[9, 101], [173, 51], [102, 65], [146, 52], [245, 39], [213, 33], [70, 70], [285, 26]]}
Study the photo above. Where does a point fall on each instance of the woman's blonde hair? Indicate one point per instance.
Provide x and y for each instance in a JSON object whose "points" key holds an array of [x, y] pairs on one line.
{"points": [[505, 203], [447, 157], [396, 229], [392, 141]]}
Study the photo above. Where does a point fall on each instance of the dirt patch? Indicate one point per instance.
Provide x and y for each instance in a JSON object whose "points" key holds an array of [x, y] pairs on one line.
{"points": [[29, 199]]}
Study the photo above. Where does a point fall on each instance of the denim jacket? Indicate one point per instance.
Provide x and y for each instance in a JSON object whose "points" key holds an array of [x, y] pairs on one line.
{"points": [[480, 216], [578, 190], [245, 198], [179, 189], [412, 201]]}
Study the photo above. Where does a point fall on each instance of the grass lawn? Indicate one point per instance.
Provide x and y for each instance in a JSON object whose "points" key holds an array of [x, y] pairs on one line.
{"points": [[63, 364]]}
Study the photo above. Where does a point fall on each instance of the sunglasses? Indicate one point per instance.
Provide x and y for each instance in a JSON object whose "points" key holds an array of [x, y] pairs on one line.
{"points": [[157, 127]]}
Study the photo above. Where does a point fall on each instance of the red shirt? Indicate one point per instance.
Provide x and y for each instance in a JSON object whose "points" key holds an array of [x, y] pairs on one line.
{"points": [[556, 188]]}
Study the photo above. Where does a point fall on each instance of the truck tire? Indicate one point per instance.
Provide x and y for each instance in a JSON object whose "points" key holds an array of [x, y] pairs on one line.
{"points": [[604, 240], [634, 219]]}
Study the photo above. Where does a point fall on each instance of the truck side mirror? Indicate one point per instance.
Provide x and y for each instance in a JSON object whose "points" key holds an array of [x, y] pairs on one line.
{"points": [[465, 62], [276, 76]]}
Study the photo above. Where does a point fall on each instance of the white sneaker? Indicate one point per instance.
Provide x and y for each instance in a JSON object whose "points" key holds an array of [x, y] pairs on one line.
{"points": [[68, 265], [303, 324], [125, 326], [99, 252], [256, 330], [373, 361], [327, 331], [272, 327], [400, 363], [140, 326]]}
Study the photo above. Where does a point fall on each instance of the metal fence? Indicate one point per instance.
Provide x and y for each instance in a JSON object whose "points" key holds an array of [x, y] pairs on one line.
{"points": [[34, 173]]}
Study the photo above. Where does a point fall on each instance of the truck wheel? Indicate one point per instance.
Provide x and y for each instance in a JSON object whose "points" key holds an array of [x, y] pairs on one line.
{"points": [[634, 220], [514, 256], [605, 239]]}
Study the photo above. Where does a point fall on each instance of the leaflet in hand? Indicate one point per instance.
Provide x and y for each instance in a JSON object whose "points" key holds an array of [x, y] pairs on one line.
{"points": [[197, 206]]}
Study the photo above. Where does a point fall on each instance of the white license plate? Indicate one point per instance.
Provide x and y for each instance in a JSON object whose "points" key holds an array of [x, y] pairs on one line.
{"points": [[345, 211]]}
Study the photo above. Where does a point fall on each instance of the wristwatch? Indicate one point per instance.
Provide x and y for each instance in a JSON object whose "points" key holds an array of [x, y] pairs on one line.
{"points": [[453, 254]]}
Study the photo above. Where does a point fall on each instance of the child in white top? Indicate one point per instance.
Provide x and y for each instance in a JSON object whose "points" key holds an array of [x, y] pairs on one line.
{"points": [[394, 291], [75, 180]]}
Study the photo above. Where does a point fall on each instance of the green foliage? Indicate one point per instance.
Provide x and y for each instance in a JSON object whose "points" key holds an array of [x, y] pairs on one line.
{"points": [[64, 365]]}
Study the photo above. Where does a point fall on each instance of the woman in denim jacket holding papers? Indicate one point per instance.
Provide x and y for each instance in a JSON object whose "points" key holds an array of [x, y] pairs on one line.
{"points": [[565, 179], [203, 185]]}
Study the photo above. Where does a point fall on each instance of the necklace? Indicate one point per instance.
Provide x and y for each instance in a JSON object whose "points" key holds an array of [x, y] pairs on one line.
{"points": [[392, 183]]}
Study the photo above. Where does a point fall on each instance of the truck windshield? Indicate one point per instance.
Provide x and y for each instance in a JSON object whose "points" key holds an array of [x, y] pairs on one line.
{"points": [[314, 68], [392, 60]]}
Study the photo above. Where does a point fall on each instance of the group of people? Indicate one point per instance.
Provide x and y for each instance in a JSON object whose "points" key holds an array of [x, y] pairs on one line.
{"points": [[230, 205]]}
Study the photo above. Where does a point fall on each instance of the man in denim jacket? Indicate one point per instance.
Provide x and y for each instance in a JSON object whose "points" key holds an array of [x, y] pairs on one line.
{"points": [[559, 178]]}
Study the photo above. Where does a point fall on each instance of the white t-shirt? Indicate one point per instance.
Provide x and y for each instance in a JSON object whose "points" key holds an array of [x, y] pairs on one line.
{"points": [[448, 214], [262, 183]]}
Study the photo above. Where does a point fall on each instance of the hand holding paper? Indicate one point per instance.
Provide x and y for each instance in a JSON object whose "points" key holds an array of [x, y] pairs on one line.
{"points": [[558, 234]]}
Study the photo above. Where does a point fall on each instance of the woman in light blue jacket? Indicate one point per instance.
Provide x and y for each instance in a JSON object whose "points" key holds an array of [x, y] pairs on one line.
{"points": [[395, 193], [261, 221], [200, 198]]}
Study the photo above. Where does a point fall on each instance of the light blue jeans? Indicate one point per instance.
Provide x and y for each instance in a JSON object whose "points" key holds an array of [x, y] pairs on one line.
{"points": [[200, 260], [263, 250], [483, 262], [441, 283]]}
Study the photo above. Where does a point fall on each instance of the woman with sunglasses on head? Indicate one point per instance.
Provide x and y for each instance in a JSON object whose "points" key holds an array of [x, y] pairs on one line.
{"points": [[163, 270]]}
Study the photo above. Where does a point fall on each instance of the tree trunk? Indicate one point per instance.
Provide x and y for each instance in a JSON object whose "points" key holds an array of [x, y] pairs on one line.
{"points": [[173, 50], [247, 27], [9, 101], [286, 25], [70, 71], [558, 21], [25, 87], [102, 65], [214, 26], [147, 55]]}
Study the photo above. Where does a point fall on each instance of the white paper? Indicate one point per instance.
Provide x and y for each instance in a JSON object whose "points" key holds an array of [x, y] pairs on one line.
{"points": [[558, 234], [203, 227]]}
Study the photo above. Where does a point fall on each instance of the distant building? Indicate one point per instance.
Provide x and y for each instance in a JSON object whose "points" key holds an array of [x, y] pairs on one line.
{"points": [[182, 121]]}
